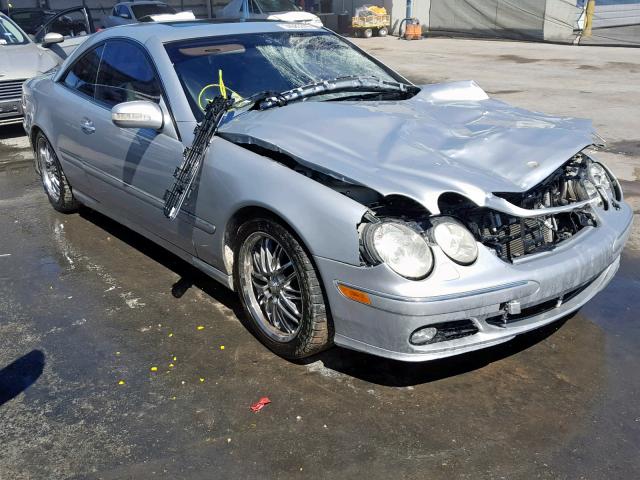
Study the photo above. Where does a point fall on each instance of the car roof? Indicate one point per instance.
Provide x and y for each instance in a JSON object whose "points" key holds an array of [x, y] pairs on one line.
{"points": [[182, 30]]}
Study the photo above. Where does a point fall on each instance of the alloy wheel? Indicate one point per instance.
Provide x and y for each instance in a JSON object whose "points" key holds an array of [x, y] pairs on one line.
{"points": [[271, 287], [49, 170]]}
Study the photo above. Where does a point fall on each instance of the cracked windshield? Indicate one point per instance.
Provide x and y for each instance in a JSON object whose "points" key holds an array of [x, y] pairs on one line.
{"points": [[274, 62]]}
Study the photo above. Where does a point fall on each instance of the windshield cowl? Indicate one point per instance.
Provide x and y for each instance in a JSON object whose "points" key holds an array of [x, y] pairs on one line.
{"points": [[337, 85]]}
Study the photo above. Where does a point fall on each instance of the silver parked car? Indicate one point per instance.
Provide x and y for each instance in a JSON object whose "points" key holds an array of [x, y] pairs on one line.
{"points": [[125, 13], [22, 58], [344, 204]]}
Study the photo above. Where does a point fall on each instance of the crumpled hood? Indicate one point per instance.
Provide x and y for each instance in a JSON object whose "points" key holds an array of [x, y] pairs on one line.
{"points": [[18, 62], [448, 138]]}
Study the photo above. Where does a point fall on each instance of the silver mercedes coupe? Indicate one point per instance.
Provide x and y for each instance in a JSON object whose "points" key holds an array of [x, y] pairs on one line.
{"points": [[344, 205]]}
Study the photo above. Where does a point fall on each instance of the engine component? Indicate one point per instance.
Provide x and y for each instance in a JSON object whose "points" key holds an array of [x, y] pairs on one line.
{"points": [[512, 237]]}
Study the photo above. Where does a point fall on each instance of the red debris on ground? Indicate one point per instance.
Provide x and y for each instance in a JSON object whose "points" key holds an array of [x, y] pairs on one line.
{"points": [[260, 404]]}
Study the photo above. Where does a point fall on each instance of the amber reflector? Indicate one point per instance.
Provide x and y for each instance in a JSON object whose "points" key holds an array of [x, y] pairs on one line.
{"points": [[353, 294]]}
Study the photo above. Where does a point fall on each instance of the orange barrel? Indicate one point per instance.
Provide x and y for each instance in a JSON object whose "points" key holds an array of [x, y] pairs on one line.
{"points": [[413, 30]]}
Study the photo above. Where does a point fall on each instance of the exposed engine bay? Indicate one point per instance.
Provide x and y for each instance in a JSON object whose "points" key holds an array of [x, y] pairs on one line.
{"points": [[511, 236]]}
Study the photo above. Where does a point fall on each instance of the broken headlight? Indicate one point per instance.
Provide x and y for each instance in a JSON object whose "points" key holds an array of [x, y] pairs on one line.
{"points": [[599, 178], [403, 249], [455, 241]]}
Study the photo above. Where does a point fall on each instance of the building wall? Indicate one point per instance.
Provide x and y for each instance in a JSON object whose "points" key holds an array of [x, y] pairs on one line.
{"points": [[520, 19], [561, 18]]}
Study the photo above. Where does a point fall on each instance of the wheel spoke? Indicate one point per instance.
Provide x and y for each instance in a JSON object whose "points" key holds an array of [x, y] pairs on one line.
{"points": [[274, 313], [291, 319], [289, 322], [275, 259], [288, 305], [282, 268]]}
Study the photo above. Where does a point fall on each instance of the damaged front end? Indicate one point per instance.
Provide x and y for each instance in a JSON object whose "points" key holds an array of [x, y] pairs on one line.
{"points": [[510, 225], [521, 224]]}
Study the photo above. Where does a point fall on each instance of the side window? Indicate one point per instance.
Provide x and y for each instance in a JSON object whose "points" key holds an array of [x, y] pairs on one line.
{"points": [[125, 75], [83, 73], [114, 12]]}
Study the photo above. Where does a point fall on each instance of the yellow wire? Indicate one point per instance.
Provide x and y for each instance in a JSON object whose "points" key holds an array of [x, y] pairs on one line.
{"points": [[223, 89], [236, 95]]}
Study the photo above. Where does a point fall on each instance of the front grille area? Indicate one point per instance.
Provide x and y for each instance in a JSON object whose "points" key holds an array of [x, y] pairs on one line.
{"points": [[512, 237], [453, 329], [11, 89], [506, 318]]}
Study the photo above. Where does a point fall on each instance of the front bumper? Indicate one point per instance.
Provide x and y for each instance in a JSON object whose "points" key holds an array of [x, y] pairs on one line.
{"points": [[576, 269], [11, 111]]}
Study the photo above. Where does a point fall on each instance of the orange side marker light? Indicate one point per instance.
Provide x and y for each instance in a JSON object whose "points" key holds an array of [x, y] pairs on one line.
{"points": [[353, 294]]}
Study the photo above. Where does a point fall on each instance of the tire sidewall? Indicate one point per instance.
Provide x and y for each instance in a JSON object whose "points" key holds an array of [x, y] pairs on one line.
{"points": [[59, 204], [41, 140]]}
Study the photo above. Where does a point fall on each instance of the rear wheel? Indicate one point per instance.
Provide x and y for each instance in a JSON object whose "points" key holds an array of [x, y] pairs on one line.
{"points": [[54, 181], [280, 290], [367, 33]]}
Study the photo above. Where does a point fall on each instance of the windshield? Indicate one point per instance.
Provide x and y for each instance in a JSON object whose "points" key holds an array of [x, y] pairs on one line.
{"points": [[10, 33], [258, 62], [145, 10], [269, 6]]}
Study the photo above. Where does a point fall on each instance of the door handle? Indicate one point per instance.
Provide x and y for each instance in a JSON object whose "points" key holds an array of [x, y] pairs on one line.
{"points": [[87, 126]]}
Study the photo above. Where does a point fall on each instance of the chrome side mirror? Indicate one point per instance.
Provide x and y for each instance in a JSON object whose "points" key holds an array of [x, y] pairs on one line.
{"points": [[52, 38], [138, 114]]}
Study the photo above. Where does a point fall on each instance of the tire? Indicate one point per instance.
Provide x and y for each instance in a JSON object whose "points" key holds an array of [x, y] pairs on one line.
{"points": [[357, 33], [367, 33], [382, 32], [54, 181], [269, 288]]}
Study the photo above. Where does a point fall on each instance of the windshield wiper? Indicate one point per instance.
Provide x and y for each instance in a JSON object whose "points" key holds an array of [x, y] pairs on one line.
{"points": [[337, 85]]}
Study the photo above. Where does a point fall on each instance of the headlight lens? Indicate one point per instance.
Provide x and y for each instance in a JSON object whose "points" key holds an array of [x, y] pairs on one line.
{"points": [[456, 241], [600, 178], [401, 248]]}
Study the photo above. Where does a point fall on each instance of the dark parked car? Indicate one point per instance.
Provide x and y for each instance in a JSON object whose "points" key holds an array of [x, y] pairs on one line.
{"points": [[31, 19], [37, 22]]}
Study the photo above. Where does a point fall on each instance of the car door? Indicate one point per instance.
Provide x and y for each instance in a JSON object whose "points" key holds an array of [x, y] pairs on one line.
{"points": [[131, 169], [71, 102], [74, 24]]}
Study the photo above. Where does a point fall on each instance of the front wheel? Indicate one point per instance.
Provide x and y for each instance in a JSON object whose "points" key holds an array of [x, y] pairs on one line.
{"points": [[54, 181], [382, 32], [280, 290]]}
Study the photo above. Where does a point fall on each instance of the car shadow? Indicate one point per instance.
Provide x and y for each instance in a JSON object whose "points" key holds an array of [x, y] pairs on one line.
{"points": [[11, 131], [189, 275], [19, 375], [359, 365], [393, 373]]}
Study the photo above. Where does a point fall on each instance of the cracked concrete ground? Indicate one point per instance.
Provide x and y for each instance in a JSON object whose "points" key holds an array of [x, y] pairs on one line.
{"points": [[86, 304]]}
